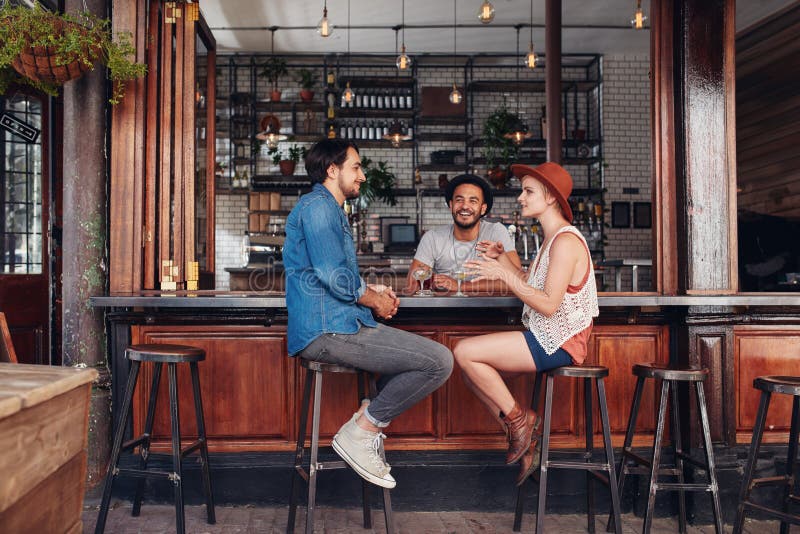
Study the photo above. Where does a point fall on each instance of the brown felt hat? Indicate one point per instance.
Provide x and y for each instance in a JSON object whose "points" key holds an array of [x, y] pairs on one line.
{"points": [[554, 177]]}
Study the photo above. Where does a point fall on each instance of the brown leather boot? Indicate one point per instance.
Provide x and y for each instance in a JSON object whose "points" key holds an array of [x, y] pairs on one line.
{"points": [[521, 425], [530, 460]]}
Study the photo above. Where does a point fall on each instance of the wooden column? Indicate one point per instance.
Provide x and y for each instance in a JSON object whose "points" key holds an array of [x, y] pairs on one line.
{"points": [[552, 67], [705, 150]]}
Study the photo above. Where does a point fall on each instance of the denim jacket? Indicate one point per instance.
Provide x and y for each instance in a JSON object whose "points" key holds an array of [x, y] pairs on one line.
{"points": [[322, 280]]}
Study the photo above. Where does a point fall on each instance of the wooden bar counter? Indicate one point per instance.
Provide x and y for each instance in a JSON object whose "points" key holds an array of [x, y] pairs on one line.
{"points": [[252, 389], [44, 421]]}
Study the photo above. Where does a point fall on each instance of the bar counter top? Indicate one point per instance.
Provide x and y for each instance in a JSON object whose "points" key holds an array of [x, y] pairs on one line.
{"points": [[233, 299]]}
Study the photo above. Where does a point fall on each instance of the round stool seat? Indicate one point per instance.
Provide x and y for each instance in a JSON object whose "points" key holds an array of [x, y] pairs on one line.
{"points": [[670, 372], [788, 385], [327, 367], [165, 353], [580, 371]]}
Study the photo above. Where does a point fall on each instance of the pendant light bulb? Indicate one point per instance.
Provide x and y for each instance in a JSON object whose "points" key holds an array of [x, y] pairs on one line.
{"points": [[638, 17], [348, 93], [531, 58], [455, 95], [403, 60], [486, 12], [324, 27]]}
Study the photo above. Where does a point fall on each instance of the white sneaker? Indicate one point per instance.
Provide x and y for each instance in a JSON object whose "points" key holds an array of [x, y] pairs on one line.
{"points": [[361, 449]]}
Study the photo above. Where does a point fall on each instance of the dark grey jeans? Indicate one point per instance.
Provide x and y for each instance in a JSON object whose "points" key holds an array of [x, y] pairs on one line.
{"points": [[411, 366]]}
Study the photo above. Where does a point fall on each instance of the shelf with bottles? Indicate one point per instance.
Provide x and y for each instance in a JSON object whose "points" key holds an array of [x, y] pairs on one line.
{"points": [[370, 132], [290, 105], [527, 86]]}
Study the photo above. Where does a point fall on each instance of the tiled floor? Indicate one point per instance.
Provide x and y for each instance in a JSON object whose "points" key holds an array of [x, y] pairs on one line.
{"points": [[252, 519]]}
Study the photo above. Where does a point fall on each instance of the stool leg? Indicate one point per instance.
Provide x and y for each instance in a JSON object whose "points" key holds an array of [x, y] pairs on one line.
{"points": [[177, 478], [518, 508], [755, 445], [299, 451], [548, 406], [387, 495], [612, 477], [211, 517], [100, 526], [709, 450], [651, 496], [148, 432], [366, 389], [677, 450], [587, 456], [312, 470], [626, 446], [791, 458]]}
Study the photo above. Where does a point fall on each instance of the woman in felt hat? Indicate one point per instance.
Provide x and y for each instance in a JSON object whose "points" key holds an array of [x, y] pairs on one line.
{"points": [[560, 302]]}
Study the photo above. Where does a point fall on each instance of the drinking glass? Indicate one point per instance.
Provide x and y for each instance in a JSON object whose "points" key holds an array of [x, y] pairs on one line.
{"points": [[460, 275], [421, 274]]}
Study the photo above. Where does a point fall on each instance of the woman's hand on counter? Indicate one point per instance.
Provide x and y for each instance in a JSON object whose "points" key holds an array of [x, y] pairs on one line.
{"points": [[443, 282]]}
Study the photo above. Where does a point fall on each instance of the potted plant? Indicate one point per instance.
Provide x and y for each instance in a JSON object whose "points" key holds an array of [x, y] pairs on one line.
{"points": [[379, 184], [287, 161], [273, 69], [499, 151], [45, 49], [307, 80]]}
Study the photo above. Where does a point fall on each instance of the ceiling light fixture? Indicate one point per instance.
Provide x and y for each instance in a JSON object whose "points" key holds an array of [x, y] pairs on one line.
{"points": [[395, 132], [272, 128], [348, 93], [520, 130], [638, 17], [486, 12], [531, 59], [324, 27], [403, 61], [455, 94]]}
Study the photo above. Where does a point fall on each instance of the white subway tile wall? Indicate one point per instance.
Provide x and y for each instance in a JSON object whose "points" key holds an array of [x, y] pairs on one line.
{"points": [[627, 156]]}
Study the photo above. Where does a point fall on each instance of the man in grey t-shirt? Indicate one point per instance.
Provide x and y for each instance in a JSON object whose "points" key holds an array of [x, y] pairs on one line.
{"points": [[445, 248]]}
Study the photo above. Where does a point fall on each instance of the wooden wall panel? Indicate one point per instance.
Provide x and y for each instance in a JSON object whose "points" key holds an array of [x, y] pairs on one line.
{"points": [[243, 380], [619, 348], [768, 115], [761, 351]]}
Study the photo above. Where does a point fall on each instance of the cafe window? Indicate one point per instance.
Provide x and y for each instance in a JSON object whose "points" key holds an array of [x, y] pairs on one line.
{"points": [[21, 185]]}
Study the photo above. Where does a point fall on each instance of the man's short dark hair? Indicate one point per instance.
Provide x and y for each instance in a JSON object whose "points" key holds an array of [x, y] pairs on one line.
{"points": [[325, 152]]}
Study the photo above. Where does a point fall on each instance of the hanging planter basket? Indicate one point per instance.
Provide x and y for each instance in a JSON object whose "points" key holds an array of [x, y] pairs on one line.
{"points": [[45, 65]]}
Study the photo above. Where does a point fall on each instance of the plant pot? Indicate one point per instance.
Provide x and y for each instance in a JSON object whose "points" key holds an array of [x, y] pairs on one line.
{"points": [[38, 63], [306, 95], [275, 96], [498, 177], [287, 167]]}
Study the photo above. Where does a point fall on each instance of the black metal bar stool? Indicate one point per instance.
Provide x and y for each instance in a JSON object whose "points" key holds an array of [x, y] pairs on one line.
{"points": [[159, 355], [786, 385], [314, 373], [604, 471], [670, 376]]}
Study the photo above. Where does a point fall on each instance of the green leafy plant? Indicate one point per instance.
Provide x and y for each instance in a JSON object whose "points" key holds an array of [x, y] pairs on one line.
{"points": [[379, 185], [307, 79], [70, 44], [294, 153], [498, 150], [273, 69]]}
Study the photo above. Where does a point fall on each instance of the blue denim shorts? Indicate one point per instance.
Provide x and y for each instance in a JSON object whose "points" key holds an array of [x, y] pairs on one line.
{"points": [[542, 360]]}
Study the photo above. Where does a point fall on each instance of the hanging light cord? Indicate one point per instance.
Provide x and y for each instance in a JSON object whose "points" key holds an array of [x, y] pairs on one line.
{"points": [[531, 25], [348, 36], [519, 26], [403, 24], [454, 34]]}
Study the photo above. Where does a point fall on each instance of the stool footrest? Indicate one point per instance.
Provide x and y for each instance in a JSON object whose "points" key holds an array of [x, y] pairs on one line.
{"points": [[641, 460], [688, 459], [677, 486], [780, 480], [601, 476], [783, 516], [130, 444], [144, 473], [191, 448], [586, 466]]}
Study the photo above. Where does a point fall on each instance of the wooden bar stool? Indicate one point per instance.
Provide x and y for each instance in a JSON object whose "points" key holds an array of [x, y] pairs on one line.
{"points": [[603, 471], [159, 355], [314, 373], [785, 385], [670, 376]]}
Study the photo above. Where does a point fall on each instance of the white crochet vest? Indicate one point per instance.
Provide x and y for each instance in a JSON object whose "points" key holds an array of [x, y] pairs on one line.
{"points": [[575, 312]]}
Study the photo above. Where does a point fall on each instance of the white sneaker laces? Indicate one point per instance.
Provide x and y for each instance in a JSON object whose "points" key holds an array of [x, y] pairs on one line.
{"points": [[374, 444]]}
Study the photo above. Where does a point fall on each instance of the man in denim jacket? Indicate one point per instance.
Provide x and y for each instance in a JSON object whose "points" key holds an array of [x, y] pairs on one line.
{"points": [[331, 310]]}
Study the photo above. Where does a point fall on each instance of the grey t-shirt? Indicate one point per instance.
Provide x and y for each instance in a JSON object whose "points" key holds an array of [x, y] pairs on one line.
{"points": [[442, 251]]}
